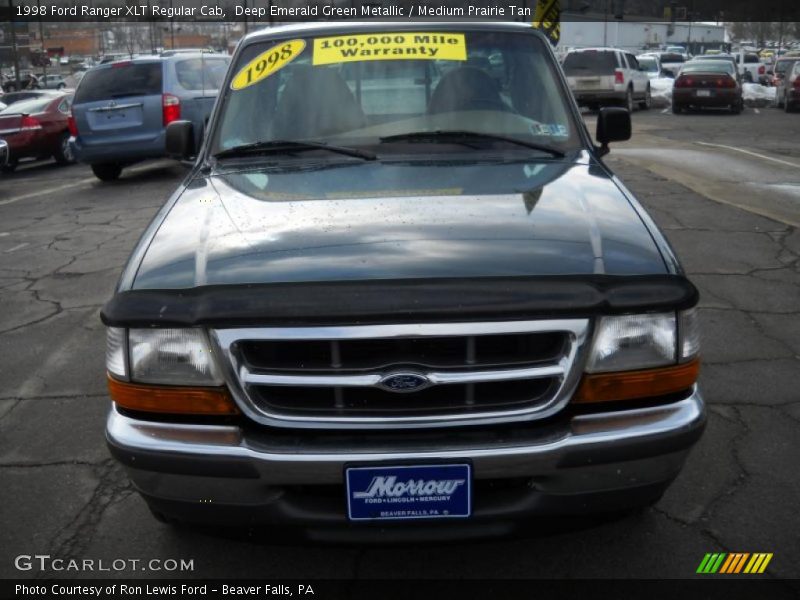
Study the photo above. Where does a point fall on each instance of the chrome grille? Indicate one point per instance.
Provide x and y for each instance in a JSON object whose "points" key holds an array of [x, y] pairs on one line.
{"points": [[436, 352], [372, 402], [468, 373]]}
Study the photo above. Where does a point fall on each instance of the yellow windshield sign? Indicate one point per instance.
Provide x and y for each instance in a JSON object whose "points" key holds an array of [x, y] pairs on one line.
{"points": [[267, 63], [389, 46]]}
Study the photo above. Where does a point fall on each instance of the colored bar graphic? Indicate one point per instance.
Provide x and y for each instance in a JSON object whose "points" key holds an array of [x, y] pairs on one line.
{"points": [[733, 563]]}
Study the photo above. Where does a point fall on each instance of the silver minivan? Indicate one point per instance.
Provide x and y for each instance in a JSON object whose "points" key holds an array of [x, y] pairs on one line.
{"points": [[121, 109]]}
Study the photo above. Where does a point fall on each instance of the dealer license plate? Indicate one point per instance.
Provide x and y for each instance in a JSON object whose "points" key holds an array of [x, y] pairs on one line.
{"points": [[409, 492]]}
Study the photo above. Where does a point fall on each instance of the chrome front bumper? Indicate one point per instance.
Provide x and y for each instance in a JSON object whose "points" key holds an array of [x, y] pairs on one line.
{"points": [[230, 474]]}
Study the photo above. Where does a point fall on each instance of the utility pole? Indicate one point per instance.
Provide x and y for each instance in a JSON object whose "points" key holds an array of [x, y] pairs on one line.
{"points": [[45, 57], [14, 44], [689, 35]]}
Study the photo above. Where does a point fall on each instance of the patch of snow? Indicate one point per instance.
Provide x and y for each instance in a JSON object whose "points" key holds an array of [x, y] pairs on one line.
{"points": [[758, 95], [661, 91]]}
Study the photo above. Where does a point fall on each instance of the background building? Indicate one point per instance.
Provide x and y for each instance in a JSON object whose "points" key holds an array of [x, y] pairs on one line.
{"points": [[635, 36]]}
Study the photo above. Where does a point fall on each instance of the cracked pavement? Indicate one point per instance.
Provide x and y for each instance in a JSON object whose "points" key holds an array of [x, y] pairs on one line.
{"points": [[63, 246]]}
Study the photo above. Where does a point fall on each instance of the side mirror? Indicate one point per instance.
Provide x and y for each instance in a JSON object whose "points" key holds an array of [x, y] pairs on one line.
{"points": [[180, 140], [613, 125]]}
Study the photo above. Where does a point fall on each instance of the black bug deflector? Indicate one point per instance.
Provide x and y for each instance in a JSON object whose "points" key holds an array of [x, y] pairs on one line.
{"points": [[399, 301]]}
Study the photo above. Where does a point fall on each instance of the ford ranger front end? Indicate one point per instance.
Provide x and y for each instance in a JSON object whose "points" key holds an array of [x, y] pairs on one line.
{"points": [[401, 296]]}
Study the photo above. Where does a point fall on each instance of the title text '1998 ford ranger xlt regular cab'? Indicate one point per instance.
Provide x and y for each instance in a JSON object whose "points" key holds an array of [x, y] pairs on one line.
{"points": [[400, 296]]}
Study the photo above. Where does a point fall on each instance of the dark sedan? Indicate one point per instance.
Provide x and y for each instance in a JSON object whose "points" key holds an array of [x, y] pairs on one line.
{"points": [[37, 128], [707, 84]]}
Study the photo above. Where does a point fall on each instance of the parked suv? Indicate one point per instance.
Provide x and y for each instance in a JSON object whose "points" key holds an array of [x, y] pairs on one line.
{"points": [[605, 76], [121, 109], [428, 311]]}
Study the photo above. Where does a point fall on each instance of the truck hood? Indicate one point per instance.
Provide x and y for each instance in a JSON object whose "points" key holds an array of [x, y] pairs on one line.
{"points": [[369, 221]]}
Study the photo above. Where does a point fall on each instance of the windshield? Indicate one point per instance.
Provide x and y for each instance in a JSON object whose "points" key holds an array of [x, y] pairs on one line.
{"points": [[354, 89], [648, 64], [716, 66]]}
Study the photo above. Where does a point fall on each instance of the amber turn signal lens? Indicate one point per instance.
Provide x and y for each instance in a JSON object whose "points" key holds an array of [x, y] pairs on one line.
{"points": [[172, 400], [631, 385]]}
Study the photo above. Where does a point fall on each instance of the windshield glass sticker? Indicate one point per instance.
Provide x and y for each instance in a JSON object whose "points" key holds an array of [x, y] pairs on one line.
{"points": [[389, 46], [267, 63], [554, 130]]}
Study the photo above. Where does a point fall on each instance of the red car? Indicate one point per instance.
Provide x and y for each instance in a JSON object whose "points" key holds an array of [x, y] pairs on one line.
{"points": [[37, 128]]}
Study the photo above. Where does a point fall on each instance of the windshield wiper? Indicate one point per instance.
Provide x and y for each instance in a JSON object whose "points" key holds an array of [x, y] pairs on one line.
{"points": [[290, 146], [465, 136]]}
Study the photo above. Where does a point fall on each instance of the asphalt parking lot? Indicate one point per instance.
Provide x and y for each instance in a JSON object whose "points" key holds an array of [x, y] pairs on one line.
{"points": [[725, 189]]}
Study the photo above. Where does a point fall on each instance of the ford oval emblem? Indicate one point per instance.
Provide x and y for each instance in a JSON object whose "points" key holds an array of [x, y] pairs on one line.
{"points": [[404, 382]]}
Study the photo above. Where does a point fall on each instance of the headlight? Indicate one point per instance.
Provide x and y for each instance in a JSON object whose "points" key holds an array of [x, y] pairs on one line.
{"points": [[171, 356], [634, 357], [161, 356], [165, 371], [633, 342]]}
